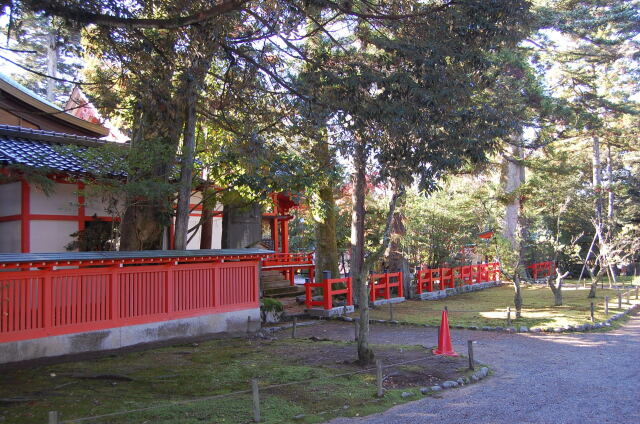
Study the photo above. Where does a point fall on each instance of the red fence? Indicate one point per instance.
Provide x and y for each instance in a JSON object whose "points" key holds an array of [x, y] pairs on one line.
{"points": [[289, 263], [328, 292], [542, 269], [380, 285], [40, 303], [445, 278]]}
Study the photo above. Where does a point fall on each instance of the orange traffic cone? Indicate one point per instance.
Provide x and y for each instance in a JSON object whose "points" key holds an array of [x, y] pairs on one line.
{"points": [[444, 340]]}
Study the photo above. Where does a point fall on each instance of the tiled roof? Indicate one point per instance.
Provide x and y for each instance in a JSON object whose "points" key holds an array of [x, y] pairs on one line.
{"points": [[46, 150]]}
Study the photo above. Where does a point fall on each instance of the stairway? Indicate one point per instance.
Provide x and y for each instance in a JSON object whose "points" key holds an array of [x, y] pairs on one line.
{"points": [[274, 284]]}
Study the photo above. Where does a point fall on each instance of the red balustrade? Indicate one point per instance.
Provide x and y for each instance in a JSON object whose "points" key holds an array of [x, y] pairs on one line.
{"points": [[289, 263], [542, 269], [328, 292], [381, 284], [47, 302], [446, 277]]}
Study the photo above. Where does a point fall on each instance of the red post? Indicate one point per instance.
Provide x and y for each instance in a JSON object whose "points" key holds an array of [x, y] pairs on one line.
{"points": [[387, 289], [349, 292], [327, 296], [400, 285], [308, 295], [47, 302]]}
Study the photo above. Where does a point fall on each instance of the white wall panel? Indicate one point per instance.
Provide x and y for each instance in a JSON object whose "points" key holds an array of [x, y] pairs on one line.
{"points": [[10, 237], [51, 236], [10, 199]]}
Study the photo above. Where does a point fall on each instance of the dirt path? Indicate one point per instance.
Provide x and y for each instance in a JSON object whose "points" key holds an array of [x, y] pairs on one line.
{"points": [[543, 378]]}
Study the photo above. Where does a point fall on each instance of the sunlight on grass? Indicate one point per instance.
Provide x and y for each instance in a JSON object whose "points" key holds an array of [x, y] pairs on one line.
{"points": [[489, 308]]}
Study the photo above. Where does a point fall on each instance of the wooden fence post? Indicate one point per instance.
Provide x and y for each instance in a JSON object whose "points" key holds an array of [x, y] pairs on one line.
{"points": [[593, 319], [606, 305], [637, 292], [379, 378], [619, 300], [391, 311], [256, 400], [53, 417], [293, 328], [470, 350], [508, 316]]}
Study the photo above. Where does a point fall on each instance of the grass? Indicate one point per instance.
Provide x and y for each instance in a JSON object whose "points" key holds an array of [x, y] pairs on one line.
{"points": [[489, 308], [158, 377]]}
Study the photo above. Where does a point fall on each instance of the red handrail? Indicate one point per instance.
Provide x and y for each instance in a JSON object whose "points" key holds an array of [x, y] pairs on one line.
{"points": [[381, 285], [328, 292], [445, 277]]}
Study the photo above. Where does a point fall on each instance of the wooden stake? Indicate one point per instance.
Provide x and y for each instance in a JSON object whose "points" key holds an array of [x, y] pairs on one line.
{"points": [[379, 378], [619, 300], [606, 305], [256, 400], [593, 319], [470, 350], [293, 328], [508, 317], [628, 297], [53, 417], [249, 324], [637, 293], [391, 311]]}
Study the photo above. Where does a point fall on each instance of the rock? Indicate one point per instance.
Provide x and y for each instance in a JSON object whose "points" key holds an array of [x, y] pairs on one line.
{"points": [[435, 388], [558, 330], [394, 322], [347, 319], [535, 330], [449, 384], [499, 328], [475, 378], [472, 327], [524, 329], [607, 324], [405, 395], [299, 416], [511, 329], [460, 381], [487, 328], [484, 371], [425, 390]]}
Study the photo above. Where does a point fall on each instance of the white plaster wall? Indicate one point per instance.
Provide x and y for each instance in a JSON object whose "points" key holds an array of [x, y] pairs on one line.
{"points": [[10, 237], [51, 236], [216, 240], [10, 199], [62, 201], [195, 241], [95, 205]]}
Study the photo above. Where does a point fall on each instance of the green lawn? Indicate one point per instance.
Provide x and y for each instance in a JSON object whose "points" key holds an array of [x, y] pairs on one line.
{"points": [[488, 308], [158, 377]]}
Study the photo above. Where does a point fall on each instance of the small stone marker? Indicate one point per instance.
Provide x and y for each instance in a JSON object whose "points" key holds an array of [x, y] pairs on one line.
{"points": [[606, 305]]}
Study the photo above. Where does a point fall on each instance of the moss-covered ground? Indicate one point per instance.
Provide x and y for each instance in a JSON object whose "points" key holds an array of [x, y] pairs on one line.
{"points": [[313, 380]]}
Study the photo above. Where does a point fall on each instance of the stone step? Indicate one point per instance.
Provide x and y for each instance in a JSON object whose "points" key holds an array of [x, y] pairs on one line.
{"points": [[290, 291]]}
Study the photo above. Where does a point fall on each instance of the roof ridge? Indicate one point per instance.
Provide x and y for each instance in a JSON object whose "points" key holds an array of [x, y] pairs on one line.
{"points": [[53, 136]]}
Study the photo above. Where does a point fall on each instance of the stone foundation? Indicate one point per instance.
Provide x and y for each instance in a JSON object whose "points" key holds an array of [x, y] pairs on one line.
{"points": [[119, 337]]}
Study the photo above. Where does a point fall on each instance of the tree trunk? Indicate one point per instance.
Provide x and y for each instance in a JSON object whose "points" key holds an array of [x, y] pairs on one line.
{"points": [[53, 55], [325, 225], [358, 271], [206, 232], [186, 165], [611, 195], [514, 177], [556, 288]]}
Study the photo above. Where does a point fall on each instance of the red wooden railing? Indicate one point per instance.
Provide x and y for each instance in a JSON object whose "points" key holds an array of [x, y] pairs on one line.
{"points": [[542, 269], [46, 302], [328, 292], [446, 277], [289, 263], [381, 284]]}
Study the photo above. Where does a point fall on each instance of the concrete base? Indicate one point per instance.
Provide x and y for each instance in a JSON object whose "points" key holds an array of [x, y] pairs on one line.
{"points": [[116, 338], [441, 294], [333, 312], [381, 302]]}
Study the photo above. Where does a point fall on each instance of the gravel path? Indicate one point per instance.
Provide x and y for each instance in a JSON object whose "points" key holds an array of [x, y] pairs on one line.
{"points": [[542, 378]]}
